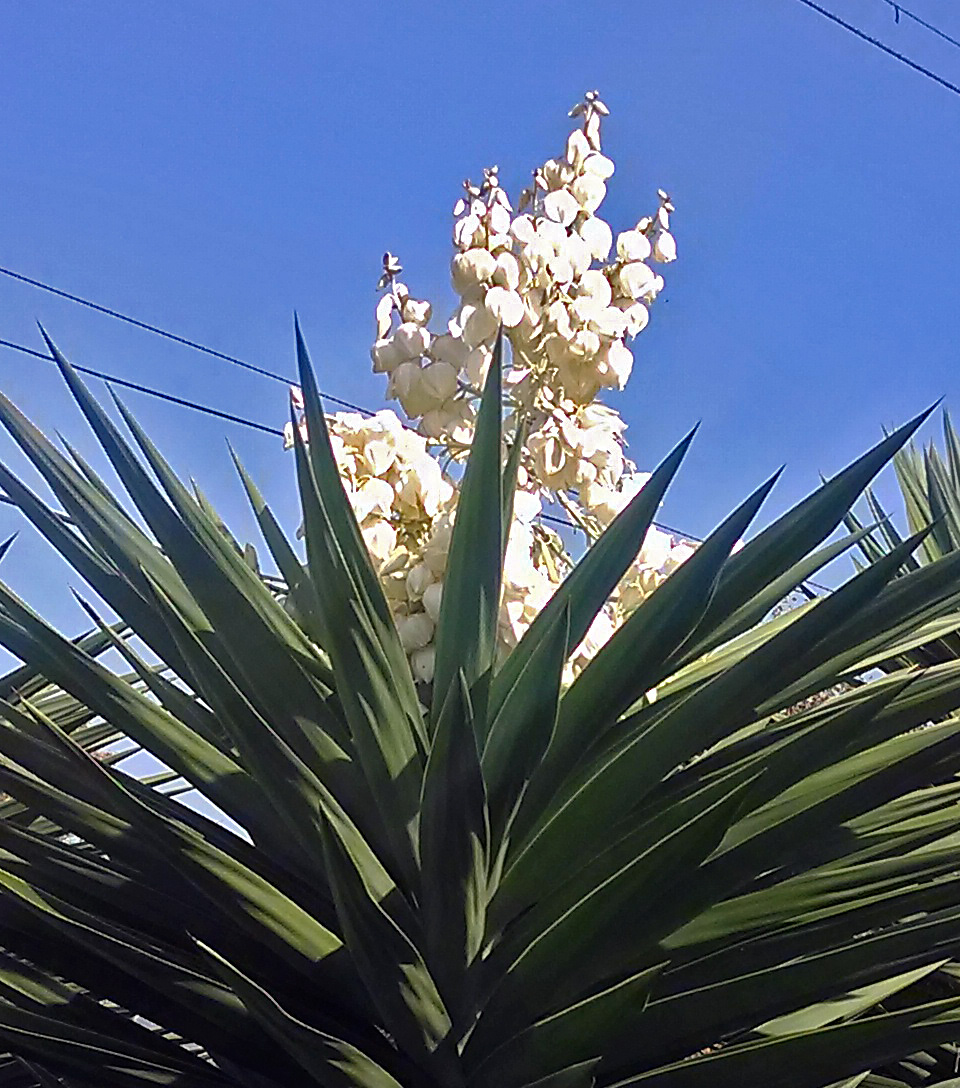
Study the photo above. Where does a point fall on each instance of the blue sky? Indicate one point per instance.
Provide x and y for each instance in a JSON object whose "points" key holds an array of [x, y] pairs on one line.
{"points": [[210, 166]]}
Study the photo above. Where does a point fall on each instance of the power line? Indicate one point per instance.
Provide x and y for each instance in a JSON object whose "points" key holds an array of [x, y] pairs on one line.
{"points": [[885, 48], [157, 331], [160, 394], [899, 10]]}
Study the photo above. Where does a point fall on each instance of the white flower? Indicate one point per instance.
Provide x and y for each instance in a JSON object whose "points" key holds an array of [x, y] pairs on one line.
{"points": [[432, 596], [418, 578], [507, 272], [415, 631], [598, 165], [440, 380], [412, 339], [504, 306], [416, 311], [479, 324], [561, 207], [380, 538], [598, 237], [596, 286], [471, 268], [468, 231], [633, 246], [664, 247], [635, 278], [589, 191], [372, 495], [387, 354], [657, 546], [637, 316], [618, 363], [577, 148], [422, 664]]}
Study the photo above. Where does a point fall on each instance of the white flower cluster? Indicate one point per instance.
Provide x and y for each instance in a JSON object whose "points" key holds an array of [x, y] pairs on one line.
{"points": [[569, 296]]}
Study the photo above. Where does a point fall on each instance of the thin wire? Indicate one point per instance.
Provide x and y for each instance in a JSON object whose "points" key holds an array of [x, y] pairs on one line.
{"points": [[160, 394], [157, 331], [885, 48], [901, 10]]}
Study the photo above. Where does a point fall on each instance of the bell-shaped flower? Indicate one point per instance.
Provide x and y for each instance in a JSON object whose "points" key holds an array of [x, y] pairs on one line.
{"points": [[471, 268], [635, 278], [412, 339], [561, 206], [423, 663], [652, 289], [617, 364], [656, 549], [373, 495], [479, 323], [599, 165], [507, 272], [595, 285], [498, 219], [588, 191], [378, 456], [636, 316], [416, 311], [557, 173], [468, 231], [449, 349], [418, 578], [432, 596], [439, 380], [523, 229], [598, 237], [415, 631], [632, 245], [577, 252], [577, 149], [477, 364], [380, 538], [505, 306], [664, 247], [387, 354]]}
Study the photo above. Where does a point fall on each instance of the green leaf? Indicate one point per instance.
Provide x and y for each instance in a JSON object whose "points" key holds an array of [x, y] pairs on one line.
{"points": [[466, 635]]}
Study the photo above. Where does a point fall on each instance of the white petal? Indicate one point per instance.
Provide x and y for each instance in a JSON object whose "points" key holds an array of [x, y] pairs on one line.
{"points": [[577, 148], [384, 316], [432, 596]]}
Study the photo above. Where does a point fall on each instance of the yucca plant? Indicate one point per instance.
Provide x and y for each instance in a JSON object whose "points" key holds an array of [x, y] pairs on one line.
{"points": [[519, 884], [930, 488]]}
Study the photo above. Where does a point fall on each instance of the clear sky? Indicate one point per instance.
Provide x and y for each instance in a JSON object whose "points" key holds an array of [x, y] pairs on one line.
{"points": [[209, 166]]}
